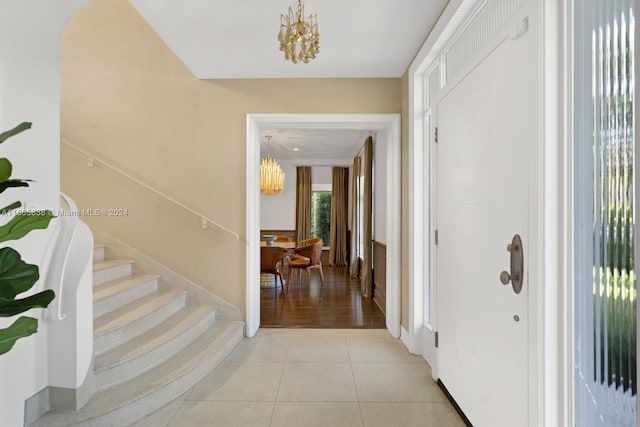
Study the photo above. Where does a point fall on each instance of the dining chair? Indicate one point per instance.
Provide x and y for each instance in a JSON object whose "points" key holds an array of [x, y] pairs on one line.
{"points": [[307, 258], [310, 241], [271, 262]]}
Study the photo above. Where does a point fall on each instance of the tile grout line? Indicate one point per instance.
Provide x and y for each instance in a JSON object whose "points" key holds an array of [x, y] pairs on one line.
{"points": [[168, 424], [285, 362], [284, 365], [355, 386]]}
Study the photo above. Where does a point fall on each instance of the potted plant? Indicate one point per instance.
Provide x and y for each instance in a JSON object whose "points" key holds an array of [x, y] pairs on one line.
{"points": [[16, 276]]}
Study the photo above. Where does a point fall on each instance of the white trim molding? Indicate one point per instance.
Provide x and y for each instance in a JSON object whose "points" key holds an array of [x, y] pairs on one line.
{"points": [[420, 240], [553, 372], [405, 337], [252, 270], [386, 126]]}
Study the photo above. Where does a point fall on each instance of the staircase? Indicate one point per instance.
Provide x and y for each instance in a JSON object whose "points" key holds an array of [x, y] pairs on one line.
{"points": [[152, 343]]}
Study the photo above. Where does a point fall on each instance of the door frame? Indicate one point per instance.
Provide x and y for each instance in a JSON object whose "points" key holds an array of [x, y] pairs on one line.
{"points": [[386, 126], [551, 309]]}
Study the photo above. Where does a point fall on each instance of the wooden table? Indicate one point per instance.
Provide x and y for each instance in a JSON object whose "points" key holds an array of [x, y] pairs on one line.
{"points": [[286, 245]]}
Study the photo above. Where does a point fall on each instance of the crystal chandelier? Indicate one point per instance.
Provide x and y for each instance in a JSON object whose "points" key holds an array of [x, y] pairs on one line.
{"points": [[299, 39], [271, 175]]}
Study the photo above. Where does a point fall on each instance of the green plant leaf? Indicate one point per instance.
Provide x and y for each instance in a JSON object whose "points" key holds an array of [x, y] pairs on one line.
{"points": [[19, 226], [16, 276], [5, 169], [9, 183], [9, 208], [23, 327], [11, 307], [16, 130]]}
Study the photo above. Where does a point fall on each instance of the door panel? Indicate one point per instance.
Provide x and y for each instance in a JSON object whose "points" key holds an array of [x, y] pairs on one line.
{"points": [[487, 128]]}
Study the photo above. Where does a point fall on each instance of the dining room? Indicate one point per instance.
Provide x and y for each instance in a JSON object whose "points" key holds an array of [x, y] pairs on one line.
{"points": [[322, 251]]}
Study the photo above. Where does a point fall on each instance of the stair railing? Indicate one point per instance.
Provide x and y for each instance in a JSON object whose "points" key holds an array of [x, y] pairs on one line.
{"points": [[68, 274], [205, 221], [55, 277]]}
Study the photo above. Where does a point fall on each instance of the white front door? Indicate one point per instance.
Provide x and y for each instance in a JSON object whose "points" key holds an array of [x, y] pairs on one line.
{"points": [[487, 137]]}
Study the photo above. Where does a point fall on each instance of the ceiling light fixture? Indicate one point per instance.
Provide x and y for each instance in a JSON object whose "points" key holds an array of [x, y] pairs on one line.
{"points": [[271, 175], [299, 39]]}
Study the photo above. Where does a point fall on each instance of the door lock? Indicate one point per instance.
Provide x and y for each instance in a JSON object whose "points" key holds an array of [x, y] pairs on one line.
{"points": [[517, 265]]}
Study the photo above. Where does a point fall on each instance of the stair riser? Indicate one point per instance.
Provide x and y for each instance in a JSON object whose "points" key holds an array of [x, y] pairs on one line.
{"points": [[160, 351], [140, 408], [98, 254], [109, 304], [126, 371], [110, 274], [111, 339]]}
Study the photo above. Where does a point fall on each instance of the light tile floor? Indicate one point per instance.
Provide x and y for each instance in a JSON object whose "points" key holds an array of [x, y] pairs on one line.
{"points": [[314, 377]]}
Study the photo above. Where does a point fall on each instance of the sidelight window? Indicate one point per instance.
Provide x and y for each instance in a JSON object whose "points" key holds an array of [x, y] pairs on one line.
{"points": [[605, 282]]}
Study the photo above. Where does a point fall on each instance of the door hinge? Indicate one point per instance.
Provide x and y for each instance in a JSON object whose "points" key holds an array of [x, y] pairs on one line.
{"points": [[435, 237], [437, 339], [435, 136]]}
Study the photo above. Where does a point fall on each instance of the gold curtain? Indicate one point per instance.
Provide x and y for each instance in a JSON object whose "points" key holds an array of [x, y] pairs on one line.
{"points": [[303, 202], [367, 217], [354, 269], [339, 206]]}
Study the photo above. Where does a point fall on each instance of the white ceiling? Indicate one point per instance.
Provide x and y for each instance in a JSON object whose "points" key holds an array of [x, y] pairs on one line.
{"points": [[238, 39], [219, 39], [318, 144]]}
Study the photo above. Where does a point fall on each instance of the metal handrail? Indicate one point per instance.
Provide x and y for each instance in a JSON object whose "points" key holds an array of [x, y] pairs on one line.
{"points": [[205, 220]]}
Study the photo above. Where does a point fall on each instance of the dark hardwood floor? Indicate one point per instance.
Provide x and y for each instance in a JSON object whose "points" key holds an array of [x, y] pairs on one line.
{"points": [[339, 304]]}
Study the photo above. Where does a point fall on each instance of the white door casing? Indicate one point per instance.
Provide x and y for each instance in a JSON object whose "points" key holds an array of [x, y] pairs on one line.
{"points": [[488, 133], [387, 127]]}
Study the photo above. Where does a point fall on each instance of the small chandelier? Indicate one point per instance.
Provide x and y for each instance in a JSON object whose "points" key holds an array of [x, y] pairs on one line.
{"points": [[271, 175], [299, 39]]}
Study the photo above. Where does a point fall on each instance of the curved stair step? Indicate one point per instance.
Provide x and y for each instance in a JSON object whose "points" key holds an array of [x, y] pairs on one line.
{"points": [[113, 295], [153, 347], [133, 319], [131, 401], [98, 251], [108, 270]]}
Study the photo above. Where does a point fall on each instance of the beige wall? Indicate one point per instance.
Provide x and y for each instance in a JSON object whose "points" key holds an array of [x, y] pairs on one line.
{"points": [[126, 98], [404, 245]]}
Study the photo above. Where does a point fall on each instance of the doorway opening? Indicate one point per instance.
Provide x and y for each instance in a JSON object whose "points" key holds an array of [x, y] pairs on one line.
{"points": [[387, 129], [323, 193]]}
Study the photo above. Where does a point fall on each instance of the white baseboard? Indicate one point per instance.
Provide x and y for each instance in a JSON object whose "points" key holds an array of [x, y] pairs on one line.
{"points": [[405, 337]]}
